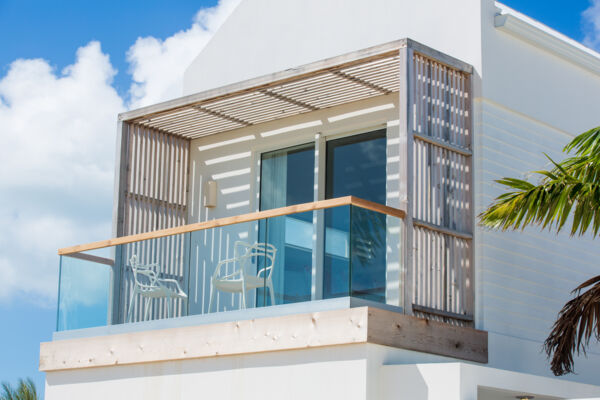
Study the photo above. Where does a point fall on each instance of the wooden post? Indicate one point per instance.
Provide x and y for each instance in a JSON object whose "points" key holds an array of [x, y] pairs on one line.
{"points": [[406, 172], [121, 176]]}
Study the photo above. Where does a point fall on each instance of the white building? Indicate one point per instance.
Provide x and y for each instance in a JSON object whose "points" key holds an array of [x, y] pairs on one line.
{"points": [[413, 108]]}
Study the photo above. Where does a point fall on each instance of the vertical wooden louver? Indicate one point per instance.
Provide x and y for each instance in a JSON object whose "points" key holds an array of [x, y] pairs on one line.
{"points": [[153, 196], [440, 121]]}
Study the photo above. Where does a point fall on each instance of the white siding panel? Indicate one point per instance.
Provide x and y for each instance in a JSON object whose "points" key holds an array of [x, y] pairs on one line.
{"points": [[524, 277]]}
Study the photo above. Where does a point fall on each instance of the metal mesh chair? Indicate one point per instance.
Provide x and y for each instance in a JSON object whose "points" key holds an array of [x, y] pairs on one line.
{"points": [[239, 280], [147, 284]]}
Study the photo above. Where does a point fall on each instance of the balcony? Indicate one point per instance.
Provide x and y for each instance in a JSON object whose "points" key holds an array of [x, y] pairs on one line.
{"points": [[337, 194], [344, 247]]}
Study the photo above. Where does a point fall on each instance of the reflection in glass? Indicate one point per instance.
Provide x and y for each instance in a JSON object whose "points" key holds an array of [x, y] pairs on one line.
{"points": [[83, 291], [356, 166], [287, 178]]}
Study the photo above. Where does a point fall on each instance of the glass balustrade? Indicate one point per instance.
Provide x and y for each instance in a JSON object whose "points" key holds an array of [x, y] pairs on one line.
{"points": [[344, 251]]}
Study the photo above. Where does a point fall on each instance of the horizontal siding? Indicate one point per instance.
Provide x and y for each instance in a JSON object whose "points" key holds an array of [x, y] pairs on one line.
{"points": [[524, 277]]}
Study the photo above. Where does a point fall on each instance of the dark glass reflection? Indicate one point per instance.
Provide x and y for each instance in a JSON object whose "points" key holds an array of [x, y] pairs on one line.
{"points": [[356, 166]]}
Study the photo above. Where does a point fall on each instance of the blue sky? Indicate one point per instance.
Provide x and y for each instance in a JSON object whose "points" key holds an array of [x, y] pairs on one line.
{"points": [[83, 61]]}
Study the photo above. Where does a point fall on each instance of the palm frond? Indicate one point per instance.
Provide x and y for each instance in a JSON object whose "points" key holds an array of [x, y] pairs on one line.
{"points": [[25, 390], [577, 322], [572, 186]]}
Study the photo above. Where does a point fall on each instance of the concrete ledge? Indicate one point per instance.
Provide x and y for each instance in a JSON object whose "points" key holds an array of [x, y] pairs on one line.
{"points": [[291, 332]]}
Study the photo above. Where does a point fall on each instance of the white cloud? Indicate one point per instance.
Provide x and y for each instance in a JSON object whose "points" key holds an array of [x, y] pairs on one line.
{"points": [[58, 134], [591, 18], [158, 65], [57, 130]]}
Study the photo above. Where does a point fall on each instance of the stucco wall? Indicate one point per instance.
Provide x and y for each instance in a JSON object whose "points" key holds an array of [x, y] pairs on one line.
{"points": [[266, 36]]}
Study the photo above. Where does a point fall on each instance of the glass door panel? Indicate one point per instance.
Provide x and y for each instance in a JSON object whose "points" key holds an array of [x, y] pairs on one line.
{"points": [[287, 178], [356, 166]]}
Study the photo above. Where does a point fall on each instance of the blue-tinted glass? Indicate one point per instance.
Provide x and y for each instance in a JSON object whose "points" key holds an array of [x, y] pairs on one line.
{"points": [[356, 166], [368, 258], [336, 265], [287, 178], [83, 293], [292, 237]]}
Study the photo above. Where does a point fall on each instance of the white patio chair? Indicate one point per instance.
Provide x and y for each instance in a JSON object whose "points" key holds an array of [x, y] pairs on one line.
{"points": [[147, 284], [238, 280]]}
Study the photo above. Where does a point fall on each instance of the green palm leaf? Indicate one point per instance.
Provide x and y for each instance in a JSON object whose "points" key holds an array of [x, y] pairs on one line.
{"points": [[25, 390]]}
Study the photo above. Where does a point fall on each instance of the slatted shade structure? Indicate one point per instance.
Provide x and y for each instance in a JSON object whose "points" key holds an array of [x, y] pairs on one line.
{"points": [[434, 96], [357, 80]]}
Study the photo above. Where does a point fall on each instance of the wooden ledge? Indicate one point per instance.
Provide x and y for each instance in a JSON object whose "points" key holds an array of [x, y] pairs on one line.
{"points": [[291, 332], [215, 223]]}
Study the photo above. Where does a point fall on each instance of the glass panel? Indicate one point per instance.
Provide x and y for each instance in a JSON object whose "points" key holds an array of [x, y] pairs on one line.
{"points": [[368, 262], [356, 166], [292, 237], [83, 291], [234, 267], [223, 261], [336, 261], [153, 281], [287, 178]]}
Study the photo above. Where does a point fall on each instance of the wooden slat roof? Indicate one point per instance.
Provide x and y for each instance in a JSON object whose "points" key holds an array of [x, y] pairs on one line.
{"points": [[328, 83]]}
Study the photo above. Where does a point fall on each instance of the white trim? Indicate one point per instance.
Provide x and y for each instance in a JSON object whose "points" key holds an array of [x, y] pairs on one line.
{"points": [[540, 35]]}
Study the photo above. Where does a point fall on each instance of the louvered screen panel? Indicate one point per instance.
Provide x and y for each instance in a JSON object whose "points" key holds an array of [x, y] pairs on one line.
{"points": [[155, 197], [442, 195]]}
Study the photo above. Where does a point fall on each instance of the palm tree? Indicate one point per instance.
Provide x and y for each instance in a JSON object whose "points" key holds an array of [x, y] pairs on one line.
{"points": [[570, 189], [25, 390]]}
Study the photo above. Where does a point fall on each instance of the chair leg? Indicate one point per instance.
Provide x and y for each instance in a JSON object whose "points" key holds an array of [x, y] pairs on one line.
{"points": [[130, 311], [212, 298], [148, 304], [271, 291], [243, 305], [168, 300]]}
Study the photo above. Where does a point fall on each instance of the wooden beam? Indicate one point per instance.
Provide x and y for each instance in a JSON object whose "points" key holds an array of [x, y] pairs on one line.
{"points": [[281, 97], [270, 80], [443, 144], [362, 82], [276, 212], [436, 228], [407, 332], [292, 332], [442, 313], [439, 56]]}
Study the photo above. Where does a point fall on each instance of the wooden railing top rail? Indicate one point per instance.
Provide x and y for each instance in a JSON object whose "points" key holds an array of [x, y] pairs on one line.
{"points": [[238, 219]]}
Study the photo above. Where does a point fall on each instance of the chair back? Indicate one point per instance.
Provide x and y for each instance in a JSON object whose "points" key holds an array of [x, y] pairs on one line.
{"points": [[264, 251], [144, 276]]}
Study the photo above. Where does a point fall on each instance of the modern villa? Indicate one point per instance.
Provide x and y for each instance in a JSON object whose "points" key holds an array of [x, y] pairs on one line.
{"points": [[301, 223]]}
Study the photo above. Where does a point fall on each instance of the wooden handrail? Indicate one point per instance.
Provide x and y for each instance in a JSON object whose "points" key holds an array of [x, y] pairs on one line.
{"points": [[238, 219]]}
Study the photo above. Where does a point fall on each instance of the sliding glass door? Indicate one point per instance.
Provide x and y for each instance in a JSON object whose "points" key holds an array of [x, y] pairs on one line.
{"points": [[287, 178], [356, 166]]}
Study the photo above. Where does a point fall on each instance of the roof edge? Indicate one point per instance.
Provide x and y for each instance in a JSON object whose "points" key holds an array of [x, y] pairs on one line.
{"points": [[296, 73], [536, 33]]}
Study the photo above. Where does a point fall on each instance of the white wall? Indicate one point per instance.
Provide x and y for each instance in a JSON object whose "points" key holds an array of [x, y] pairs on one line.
{"points": [[337, 372], [360, 371], [264, 36], [532, 102], [527, 101], [327, 373], [460, 381]]}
